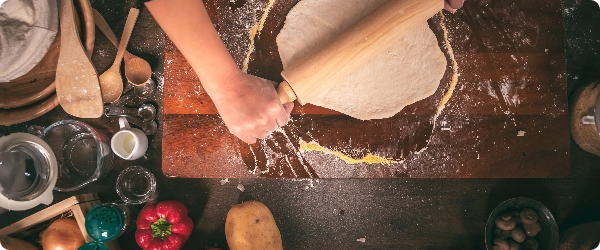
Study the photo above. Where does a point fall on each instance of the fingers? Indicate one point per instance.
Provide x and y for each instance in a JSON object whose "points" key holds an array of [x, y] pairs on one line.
{"points": [[247, 139], [266, 134], [288, 107], [256, 113], [251, 135], [260, 130], [455, 4], [283, 117], [449, 8]]}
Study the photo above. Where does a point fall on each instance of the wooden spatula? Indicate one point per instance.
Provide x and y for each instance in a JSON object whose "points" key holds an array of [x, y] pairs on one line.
{"points": [[77, 85]]}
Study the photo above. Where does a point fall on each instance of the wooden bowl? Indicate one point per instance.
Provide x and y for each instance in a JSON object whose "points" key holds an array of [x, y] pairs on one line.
{"points": [[33, 94], [18, 115], [34, 86]]}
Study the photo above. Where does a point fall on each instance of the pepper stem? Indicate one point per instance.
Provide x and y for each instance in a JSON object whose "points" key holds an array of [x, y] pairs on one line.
{"points": [[161, 229]]}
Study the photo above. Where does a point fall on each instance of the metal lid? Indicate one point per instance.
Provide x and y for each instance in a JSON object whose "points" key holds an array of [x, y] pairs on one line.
{"points": [[28, 171]]}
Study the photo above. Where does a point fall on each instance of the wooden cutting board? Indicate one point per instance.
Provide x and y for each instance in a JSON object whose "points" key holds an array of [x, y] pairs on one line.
{"points": [[507, 117]]}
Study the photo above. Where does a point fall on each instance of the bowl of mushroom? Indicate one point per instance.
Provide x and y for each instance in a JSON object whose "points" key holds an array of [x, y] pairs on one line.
{"points": [[521, 223]]}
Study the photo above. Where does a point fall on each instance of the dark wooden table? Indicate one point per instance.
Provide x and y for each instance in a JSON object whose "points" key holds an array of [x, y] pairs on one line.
{"points": [[334, 213], [511, 78]]}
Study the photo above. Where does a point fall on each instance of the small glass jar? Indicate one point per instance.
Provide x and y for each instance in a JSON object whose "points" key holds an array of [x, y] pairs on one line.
{"points": [[136, 185]]}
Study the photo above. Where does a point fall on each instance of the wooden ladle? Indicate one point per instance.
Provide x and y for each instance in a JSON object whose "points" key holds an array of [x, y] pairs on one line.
{"points": [[137, 70], [111, 82]]}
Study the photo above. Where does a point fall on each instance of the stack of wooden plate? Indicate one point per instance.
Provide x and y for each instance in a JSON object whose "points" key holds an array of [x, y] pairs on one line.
{"points": [[34, 93]]}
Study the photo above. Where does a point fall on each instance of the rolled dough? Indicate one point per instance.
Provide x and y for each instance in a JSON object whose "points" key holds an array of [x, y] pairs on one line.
{"points": [[405, 73]]}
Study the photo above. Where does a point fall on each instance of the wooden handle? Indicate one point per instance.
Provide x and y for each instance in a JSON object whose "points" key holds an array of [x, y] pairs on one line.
{"points": [[88, 20], [131, 18], [286, 93], [105, 28], [364, 39]]}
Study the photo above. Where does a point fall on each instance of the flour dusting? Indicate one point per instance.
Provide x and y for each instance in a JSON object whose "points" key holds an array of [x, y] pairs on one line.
{"points": [[255, 30]]}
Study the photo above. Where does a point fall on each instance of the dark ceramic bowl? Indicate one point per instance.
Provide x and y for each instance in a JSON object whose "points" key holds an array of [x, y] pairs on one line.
{"points": [[547, 238]]}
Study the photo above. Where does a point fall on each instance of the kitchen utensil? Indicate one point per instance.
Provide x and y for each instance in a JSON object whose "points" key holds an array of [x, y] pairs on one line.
{"points": [[149, 127], [146, 89], [111, 81], [77, 84], [136, 185], [28, 172], [134, 95], [137, 70], [83, 153], [104, 223], [147, 111], [314, 74], [129, 143], [87, 26], [126, 98], [547, 238]]}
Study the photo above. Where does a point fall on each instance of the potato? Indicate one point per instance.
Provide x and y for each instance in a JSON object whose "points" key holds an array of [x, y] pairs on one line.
{"points": [[251, 226]]}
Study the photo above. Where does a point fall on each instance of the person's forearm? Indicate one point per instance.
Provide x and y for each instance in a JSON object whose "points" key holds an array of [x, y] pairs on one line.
{"points": [[188, 25]]}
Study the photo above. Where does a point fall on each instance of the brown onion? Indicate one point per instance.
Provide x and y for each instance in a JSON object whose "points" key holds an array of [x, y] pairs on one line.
{"points": [[62, 234]]}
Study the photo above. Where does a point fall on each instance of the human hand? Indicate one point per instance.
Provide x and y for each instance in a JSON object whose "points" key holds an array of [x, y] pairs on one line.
{"points": [[251, 109], [453, 5]]}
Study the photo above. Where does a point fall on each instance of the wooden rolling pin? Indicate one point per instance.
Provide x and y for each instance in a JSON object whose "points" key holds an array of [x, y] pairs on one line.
{"points": [[316, 73]]}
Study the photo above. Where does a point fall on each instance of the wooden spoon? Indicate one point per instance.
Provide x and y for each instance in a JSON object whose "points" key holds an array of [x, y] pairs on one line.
{"points": [[137, 70], [111, 81], [77, 86]]}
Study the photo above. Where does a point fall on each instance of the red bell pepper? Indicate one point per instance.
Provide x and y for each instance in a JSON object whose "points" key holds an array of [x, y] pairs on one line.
{"points": [[163, 226]]}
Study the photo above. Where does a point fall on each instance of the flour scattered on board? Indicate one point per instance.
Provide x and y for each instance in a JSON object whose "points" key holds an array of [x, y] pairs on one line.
{"points": [[568, 11], [363, 240], [241, 187], [224, 181], [255, 30], [490, 90], [310, 183], [238, 28], [509, 93]]}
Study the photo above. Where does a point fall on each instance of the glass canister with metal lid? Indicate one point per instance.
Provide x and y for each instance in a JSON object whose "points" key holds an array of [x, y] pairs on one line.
{"points": [[28, 171]]}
